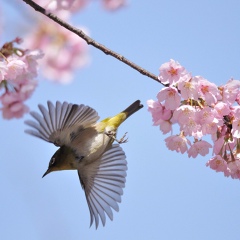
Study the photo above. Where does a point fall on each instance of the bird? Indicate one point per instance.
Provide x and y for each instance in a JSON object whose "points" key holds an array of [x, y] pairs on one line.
{"points": [[87, 146]]}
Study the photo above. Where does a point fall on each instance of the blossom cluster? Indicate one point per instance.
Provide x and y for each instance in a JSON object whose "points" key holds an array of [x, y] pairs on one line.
{"points": [[199, 108], [18, 69], [65, 51]]}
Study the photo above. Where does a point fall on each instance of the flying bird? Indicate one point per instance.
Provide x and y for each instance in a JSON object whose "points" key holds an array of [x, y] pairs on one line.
{"points": [[87, 146]]}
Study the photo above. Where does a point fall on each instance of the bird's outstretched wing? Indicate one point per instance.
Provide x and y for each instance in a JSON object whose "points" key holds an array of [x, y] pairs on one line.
{"points": [[103, 182], [57, 123]]}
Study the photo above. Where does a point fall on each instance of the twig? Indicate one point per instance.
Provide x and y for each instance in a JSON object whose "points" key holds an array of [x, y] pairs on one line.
{"points": [[90, 41]]}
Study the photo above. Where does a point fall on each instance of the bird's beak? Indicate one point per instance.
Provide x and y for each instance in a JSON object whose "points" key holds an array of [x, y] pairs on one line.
{"points": [[47, 172]]}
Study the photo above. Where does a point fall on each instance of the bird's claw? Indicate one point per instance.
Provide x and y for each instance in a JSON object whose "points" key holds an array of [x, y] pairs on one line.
{"points": [[121, 140]]}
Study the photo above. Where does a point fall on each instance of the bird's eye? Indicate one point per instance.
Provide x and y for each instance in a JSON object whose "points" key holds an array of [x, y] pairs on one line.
{"points": [[79, 159], [52, 161]]}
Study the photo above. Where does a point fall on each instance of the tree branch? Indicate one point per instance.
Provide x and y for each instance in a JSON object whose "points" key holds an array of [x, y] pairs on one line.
{"points": [[90, 41]]}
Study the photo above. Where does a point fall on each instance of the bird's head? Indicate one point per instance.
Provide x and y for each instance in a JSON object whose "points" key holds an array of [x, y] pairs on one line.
{"points": [[63, 159]]}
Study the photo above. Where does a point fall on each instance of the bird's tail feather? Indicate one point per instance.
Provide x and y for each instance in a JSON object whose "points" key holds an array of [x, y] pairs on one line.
{"points": [[134, 107]]}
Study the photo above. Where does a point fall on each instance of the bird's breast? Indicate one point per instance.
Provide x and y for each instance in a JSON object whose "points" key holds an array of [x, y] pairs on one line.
{"points": [[90, 144]]}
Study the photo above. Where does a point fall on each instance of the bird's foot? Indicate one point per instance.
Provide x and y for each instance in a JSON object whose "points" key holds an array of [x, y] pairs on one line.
{"points": [[123, 139], [113, 136]]}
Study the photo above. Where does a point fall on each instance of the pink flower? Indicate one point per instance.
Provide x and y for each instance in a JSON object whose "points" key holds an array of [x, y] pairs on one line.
{"points": [[59, 5], [218, 164], [27, 89], [236, 123], [234, 168], [171, 72], [207, 91], [206, 115], [222, 109], [3, 70], [190, 127], [220, 132], [177, 143], [15, 110], [171, 97], [185, 117], [78, 5], [188, 87], [165, 126], [160, 115], [12, 105], [197, 134], [199, 147], [158, 111], [12, 102], [22, 93], [230, 91], [155, 108], [15, 68], [209, 120], [113, 4], [218, 145], [30, 58], [238, 98], [210, 128], [66, 52], [183, 113]]}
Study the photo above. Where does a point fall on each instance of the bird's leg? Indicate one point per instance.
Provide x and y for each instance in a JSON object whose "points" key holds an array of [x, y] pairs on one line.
{"points": [[123, 139], [112, 135]]}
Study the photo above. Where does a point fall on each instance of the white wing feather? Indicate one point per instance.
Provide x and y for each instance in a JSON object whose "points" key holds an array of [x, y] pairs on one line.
{"points": [[56, 123], [103, 182]]}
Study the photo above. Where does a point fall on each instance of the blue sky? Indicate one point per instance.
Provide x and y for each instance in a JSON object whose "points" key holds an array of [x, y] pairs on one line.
{"points": [[167, 195]]}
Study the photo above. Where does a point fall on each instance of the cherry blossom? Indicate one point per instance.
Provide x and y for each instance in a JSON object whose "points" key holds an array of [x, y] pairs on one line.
{"points": [[207, 91], [113, 4], [188, 87], [190, 127], [205, 115], [236, 123], [13, 106], [183, 113], [165, 126], [218, 164], [199, 147], [210, 127], [3, 70], [171, 97], [177, 143], [200, 109], [170, 72], [57, 6], [71, 6], [159, 112], [15, 68], [230, 91], [65, 51], [18, 69]]}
